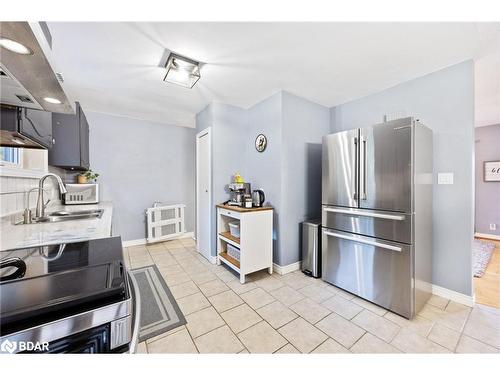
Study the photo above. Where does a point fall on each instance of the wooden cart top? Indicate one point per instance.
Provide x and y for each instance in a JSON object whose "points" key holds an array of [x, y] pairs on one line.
{"points": [[243, 209]]}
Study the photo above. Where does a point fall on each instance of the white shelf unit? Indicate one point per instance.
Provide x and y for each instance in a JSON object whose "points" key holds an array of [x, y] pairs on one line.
{"points": [[255, 242]]}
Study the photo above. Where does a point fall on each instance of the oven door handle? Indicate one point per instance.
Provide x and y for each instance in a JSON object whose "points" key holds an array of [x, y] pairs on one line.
{"points": [[362, 240], [136, 311]]}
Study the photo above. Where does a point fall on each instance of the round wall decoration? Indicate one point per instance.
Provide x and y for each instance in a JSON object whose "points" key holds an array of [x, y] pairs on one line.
{"points": [[260, 143]]}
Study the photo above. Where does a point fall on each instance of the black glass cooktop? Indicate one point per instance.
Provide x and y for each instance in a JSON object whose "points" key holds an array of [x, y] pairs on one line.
{"points": [[42, 284]]}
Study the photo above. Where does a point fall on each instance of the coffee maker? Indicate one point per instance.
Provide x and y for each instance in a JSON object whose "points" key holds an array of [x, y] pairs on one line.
{"points": [[238, 192]]}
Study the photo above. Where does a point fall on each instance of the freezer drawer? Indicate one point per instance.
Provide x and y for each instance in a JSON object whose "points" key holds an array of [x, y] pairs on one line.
{"points": [[376, 270], [391, 226]]}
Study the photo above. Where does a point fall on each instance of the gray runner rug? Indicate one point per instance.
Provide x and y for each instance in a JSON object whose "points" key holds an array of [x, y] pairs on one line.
{"points": [[481, 255], [159, 311]]}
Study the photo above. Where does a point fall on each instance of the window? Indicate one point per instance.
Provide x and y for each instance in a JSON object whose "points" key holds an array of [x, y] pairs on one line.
{"points": [[23, 162], [11, 156]]}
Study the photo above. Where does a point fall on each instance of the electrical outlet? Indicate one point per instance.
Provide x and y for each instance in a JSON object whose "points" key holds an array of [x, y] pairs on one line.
{"points": [[445, 178], [493, 226]]}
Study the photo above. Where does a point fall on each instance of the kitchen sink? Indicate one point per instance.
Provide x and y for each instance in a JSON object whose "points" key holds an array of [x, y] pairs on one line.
{"points": [[71, 215]]}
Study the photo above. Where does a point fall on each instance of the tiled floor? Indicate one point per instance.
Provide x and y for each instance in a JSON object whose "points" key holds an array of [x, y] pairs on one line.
{"points": [[297, 314]]}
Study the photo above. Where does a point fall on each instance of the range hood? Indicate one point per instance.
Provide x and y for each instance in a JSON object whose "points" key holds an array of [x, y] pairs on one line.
{"points": [[28, 79]]}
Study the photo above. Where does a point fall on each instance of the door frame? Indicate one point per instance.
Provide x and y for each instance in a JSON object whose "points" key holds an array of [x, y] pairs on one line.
{"points": [[204, 133]]}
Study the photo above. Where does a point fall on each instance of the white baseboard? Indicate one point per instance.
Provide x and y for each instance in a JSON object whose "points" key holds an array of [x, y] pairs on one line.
{"points": [[282, 270], [139, 241], [487, 236], [143, 241], [452, 295]]}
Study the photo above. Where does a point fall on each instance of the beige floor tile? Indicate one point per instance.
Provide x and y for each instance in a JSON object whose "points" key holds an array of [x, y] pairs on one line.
{"points": [[302, 335], [296, 280], [485, 317], [165, 334], [171, 270], [287, 349], [469, 345], [240, 318], [164, 260], [261, 338], [287, 295], [240, 288], [376, 325], [276, 314], [481, 330], [438, 302], [369, 306], [370, 344], [339, 292], [269, 283], [193, 303], [330, 346], [203, 321], [137, 248], [418, 324], [451, 319], [159, 250], [203, 277], [184, 289], [244, 351], [318, 293], [225, 300], [409, 342], [179, 342], [140, 263], [444, 336], [343, 307], [309, 310], [174, 244], [340, 329], [220, 340], [227, 276], [176, 278], [142, 348], [257, 298], [213, 287]]}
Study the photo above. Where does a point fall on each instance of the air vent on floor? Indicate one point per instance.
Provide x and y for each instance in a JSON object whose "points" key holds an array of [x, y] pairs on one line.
{"points": [[24, 98], [60, 77]]}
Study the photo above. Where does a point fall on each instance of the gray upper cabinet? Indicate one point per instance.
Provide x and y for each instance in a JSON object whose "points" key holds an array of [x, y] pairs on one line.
{"points": [[71, 140]]}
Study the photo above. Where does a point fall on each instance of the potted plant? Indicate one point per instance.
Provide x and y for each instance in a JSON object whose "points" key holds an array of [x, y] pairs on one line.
{"points": [[88, 177]]}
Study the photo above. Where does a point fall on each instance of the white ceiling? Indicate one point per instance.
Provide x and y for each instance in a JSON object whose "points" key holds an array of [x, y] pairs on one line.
{"points": [[117, 67]]}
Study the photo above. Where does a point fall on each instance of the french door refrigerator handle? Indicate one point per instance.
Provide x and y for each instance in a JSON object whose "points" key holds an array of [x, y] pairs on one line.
{"points": [[362, 170], [362, 240], [355, 172], [368, 214]]}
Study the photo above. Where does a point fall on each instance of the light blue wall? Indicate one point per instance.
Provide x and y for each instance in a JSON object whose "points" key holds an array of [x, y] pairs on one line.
{"points": [[304, 123], [263, 169], [444, 101], [293, 127], [141, 162]]}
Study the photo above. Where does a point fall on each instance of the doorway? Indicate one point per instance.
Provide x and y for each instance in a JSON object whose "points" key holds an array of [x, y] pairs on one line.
{"points": [[203, 192], [486, 247]]}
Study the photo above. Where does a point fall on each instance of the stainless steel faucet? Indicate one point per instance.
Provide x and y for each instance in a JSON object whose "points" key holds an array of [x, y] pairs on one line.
{"points": [[40, 205]]}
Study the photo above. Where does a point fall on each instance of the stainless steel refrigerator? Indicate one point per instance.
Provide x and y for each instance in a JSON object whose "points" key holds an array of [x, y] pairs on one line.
{"points": [[377, 213]]}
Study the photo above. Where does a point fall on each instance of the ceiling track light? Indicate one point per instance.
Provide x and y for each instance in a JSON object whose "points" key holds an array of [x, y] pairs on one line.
{"points": [[15, 47], [182, 71]]}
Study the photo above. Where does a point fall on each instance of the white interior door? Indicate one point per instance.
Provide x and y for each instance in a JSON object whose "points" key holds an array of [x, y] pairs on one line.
{"points": [[203, 192]]}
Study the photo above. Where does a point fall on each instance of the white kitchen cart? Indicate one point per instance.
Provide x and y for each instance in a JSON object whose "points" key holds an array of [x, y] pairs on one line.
{"points": [[255, 242]]}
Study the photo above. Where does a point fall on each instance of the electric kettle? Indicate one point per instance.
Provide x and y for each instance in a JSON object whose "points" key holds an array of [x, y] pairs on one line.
{"points": [[258, 198]]}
